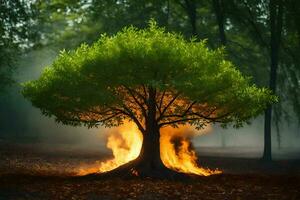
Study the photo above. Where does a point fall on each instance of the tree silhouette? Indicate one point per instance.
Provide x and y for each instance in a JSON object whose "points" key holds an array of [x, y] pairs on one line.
{"points": [[151, 77]]}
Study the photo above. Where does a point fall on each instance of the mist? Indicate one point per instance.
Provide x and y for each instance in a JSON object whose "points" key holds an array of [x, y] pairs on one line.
{"points": [[21, 122]]}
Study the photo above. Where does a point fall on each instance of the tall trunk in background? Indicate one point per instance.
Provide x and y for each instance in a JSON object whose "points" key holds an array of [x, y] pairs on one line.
{"points": [[168, 15], [190, 8], [192, 13], [275, 10], [219, 12]]}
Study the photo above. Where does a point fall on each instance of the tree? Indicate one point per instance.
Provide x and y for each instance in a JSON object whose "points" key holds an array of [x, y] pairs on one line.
{"points": [[275, 29], [15, 35], [151, 77], [66, 24], [190, 8], [252, 20], [219, 12]]}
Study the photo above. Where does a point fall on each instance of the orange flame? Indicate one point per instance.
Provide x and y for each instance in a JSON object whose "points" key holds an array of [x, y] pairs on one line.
{"points": [[179, 155], [126, 142]]}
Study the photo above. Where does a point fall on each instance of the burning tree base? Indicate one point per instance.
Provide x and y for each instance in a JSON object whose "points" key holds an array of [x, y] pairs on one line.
{"points": [[172, 158], [136, 168]]}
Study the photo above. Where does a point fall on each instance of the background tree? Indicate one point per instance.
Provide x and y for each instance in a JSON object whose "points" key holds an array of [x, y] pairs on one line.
{"points": [[276, 10], [152, 78], [269, 25], [15, 33], [218, 6], [190, 7]]}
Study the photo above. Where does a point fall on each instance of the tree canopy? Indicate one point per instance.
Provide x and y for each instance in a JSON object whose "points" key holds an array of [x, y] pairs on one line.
{"points": [[112, 80]]}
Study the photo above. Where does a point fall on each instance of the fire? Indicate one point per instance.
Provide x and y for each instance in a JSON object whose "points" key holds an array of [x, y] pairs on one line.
{"points": [[177, 153], [175, 149], [125, 143]]}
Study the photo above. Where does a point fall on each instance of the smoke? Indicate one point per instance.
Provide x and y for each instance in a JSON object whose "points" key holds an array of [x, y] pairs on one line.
{"points": [[248, 141]]}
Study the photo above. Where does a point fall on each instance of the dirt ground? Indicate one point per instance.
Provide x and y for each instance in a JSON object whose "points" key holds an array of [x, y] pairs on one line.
{"points": [[30, 173]]}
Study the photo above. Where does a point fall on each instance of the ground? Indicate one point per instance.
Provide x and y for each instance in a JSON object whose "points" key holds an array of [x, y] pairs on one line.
{"points": [[220, 187], [29, 173]]}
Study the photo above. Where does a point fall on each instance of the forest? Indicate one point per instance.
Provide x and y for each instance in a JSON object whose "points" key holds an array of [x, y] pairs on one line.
{"points": [[157, 95]]}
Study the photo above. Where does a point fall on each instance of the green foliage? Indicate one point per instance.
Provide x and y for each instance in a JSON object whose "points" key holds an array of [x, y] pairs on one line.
{"points": [[14, 37], [88, 78]]}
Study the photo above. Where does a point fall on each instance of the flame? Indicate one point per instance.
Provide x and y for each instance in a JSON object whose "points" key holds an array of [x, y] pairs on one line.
{"points": [[177, 153], [125, 142], [175, 149]]}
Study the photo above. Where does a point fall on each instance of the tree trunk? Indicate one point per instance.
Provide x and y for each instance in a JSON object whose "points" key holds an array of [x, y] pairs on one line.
{"points": [[192, 13], [267, 156], [149, 158], [217, 4], [190, 8], [219, 12], [275, 29]]}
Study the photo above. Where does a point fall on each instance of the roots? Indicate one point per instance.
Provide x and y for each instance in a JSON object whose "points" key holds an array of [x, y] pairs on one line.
{"points": [[138, 169]]}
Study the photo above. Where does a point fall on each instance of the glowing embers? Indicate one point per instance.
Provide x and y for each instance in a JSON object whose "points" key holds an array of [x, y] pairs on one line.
{"points": [[176, 150]]}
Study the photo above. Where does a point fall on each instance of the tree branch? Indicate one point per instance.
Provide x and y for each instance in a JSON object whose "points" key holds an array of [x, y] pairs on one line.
{"points": [[180, 115], [178, 121], [131, 115], [110, 117], [167, 106], [145, 92], [213, 119], [189, 108], [137, 101], [161, 100], [192, 117]]}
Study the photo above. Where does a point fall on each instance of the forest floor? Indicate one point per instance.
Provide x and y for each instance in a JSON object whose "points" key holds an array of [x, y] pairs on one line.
{"points": [[29, 173]]}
